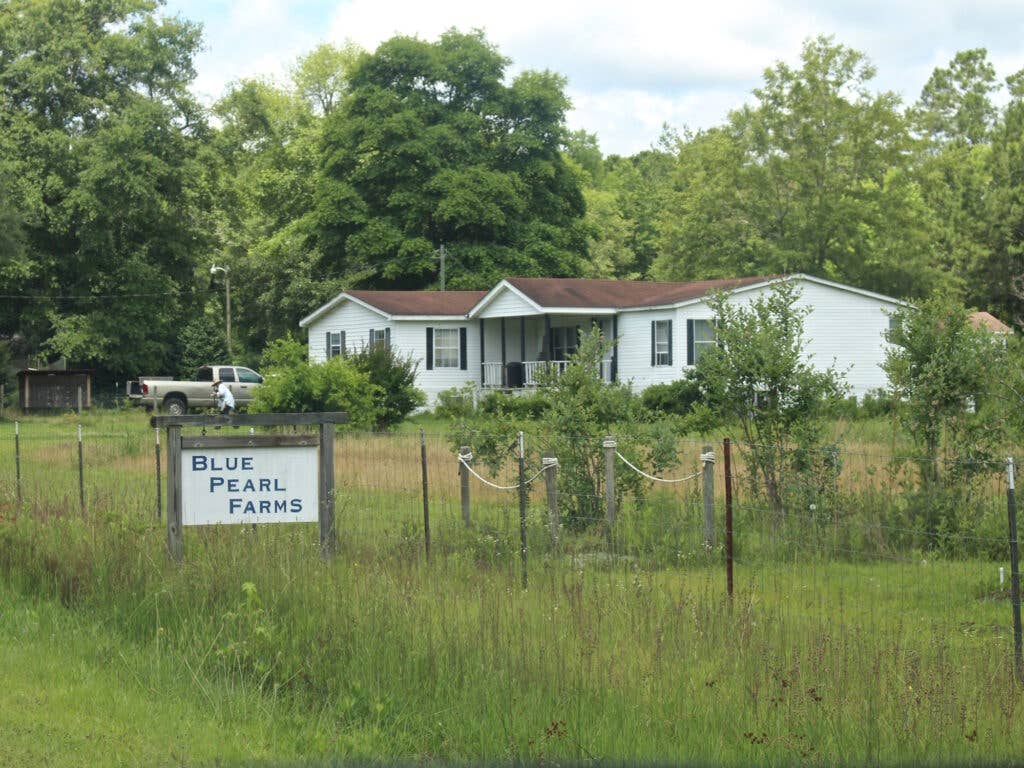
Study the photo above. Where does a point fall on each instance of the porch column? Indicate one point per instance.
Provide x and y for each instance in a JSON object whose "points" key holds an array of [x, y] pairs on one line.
{"points": [[615, 347], [546, 352], [504, 373], [522, 338], [483, 368]]}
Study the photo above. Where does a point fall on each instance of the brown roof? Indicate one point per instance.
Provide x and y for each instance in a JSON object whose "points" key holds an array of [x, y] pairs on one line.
{"points": [[420, 302], [984, 320], [619, 294]]}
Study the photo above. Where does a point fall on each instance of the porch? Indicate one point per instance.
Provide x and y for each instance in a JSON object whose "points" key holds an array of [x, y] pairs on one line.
{"points": [[515, 350]]}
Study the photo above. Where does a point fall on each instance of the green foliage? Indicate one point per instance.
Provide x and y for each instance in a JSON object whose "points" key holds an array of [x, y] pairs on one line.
{"points": [[106, 167], [676, 398], [284, 352], [431, 146], [336, 385], [943, 376], [532, 406], [456, 403], [202, 342], [394, 377], [758, 375]]}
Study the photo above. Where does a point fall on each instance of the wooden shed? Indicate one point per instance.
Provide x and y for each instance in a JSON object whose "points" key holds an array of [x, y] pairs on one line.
{"points": [[54, 390]]}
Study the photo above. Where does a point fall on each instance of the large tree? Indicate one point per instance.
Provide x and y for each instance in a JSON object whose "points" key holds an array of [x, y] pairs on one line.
{"points": [[430, 148], [103, 144]]}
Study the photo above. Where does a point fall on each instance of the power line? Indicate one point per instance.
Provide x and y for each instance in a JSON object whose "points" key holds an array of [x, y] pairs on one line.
{"points": [[99, 297]]}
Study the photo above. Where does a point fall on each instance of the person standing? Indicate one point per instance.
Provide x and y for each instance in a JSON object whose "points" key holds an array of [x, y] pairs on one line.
{"points": [[225, 400]]}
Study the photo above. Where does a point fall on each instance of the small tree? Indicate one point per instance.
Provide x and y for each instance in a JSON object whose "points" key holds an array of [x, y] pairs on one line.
{"points": [[759, 375], [395, 377], [942, 374]]}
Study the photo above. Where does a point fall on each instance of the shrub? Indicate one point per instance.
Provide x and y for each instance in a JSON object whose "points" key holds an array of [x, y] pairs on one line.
{"points": [[532, 406], [336, 385], [455, 403], [285, 352], [396, 395], [676, 398]]}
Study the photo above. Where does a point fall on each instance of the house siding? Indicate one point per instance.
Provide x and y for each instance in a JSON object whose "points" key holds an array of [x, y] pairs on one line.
{"points": [[409, 337], [508, 304], [354, 319], [842, 329], [635, 349]]}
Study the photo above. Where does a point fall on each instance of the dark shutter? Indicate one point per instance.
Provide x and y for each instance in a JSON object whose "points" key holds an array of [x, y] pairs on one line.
{"points": [[327, 352], [654, 351], [670, 342], [463, 363], [387, 338], [689, 342], [342, 344], [430, 349]]}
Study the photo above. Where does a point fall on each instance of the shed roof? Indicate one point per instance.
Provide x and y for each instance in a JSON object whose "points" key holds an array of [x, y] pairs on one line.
{"points": [[979, 320]]}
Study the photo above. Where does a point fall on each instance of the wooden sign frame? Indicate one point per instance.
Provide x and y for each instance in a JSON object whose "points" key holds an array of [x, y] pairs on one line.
{"points": [[175, 442]]}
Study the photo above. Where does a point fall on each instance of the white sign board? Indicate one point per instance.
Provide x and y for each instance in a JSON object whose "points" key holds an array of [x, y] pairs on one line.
{"points": [[249, 485]]}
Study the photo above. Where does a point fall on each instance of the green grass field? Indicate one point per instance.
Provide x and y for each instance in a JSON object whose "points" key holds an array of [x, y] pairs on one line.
{"points": [[254, 649]]}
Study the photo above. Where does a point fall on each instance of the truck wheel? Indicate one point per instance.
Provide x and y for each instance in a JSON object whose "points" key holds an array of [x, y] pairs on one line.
{"points": [[175, 406]]}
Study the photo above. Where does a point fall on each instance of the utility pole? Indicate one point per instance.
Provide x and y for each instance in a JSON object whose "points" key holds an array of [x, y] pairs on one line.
{"points": [[227, 302], [442, 266]]}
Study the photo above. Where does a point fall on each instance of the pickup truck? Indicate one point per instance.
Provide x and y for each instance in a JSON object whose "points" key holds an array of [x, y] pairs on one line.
{"points": [[177, 397]]}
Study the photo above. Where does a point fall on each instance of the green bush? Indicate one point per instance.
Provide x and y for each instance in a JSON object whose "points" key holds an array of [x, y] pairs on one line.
{"points": [[336, 385], [532, 406], [285, 352], [455, 403], [394, 376], [676, 398]]}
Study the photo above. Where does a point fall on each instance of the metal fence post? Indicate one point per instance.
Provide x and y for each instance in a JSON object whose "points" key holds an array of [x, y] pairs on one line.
{"points": [[550, 464], [81, 472], [727, 453], [426, 501], [522, 506], [707, 458], [609, 482], [17, 462], [1011, 510], [465, 456]]}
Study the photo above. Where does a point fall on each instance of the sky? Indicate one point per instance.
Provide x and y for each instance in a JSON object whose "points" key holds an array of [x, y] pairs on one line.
{"points": [[631, 67]]}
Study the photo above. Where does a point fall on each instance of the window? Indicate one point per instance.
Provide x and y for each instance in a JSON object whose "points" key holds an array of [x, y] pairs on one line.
{"points": [[335, 344], [446, 347], [661, 342], [379, 336], [204, 374], [564, 342], [703, 334], [247, 376], [226, 374]]}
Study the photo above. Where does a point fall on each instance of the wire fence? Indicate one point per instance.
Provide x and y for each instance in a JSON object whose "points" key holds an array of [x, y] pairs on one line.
{"points": [[848, 544]]}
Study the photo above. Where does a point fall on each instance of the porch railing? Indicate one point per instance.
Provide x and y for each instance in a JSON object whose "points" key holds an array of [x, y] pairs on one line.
{"points": [[492, 378]]}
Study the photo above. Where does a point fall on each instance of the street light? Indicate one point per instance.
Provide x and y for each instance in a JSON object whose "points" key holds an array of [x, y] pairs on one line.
{"points": [[227, 301]]}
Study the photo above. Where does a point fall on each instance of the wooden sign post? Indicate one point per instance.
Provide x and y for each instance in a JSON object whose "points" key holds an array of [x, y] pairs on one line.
{"points": [[227, 479]]}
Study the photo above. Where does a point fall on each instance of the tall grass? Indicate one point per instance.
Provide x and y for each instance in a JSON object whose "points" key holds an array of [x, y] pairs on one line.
{"points": [[831, 650]]}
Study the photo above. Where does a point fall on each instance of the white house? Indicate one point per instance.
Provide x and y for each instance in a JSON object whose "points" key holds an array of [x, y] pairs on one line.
{"points": [[500, 338]]}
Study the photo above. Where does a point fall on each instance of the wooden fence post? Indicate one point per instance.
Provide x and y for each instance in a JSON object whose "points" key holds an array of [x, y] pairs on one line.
{"points": [[159, 488], [707, 458], [328, 538], [175, 548], [79, 402], [1011, 511], [609, 482], [465, 456], [17, 462], [550, 464]]}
